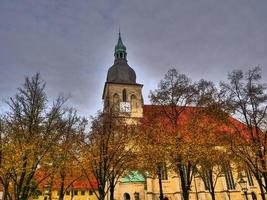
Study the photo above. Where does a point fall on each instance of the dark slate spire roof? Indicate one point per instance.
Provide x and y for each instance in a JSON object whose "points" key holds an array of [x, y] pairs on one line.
{"points": [[120, 71]]}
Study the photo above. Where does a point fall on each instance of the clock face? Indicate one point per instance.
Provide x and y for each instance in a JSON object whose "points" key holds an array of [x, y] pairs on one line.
{"points": [[125, 107]]}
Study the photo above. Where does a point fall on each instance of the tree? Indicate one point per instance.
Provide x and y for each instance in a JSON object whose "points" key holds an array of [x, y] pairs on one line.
{"points": [[65, 168], [5, 175], [109, 151], [206, 131], [247, 99], [181, 103], [175, 92], [31, 128], [153, 146]]}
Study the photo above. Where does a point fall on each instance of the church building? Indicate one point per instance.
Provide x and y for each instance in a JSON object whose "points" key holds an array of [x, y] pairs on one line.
{"points": [[122, 93]]}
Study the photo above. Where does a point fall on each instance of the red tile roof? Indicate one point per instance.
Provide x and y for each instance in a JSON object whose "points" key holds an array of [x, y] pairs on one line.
{"points": [[81, 182], [225, 125]]}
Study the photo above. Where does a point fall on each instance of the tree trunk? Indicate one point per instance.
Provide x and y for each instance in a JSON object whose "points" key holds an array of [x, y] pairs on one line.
{"points": [[185, 190], [259, 180], [71, 193], [213, 195], [212, 186], [265, 180], [111, 192], [262, 157], [160, 188], [61, 191], [5, 195], [101, 189]]}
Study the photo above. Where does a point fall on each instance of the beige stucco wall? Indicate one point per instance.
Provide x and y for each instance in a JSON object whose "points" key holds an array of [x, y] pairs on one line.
{"points": [[79, 196], [172, 189]]}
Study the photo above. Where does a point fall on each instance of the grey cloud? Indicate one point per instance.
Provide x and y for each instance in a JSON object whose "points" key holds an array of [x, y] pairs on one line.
{"points": [[71, 43]]}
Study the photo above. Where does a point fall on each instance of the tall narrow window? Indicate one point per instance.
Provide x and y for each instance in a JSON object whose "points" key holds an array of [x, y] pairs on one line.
{"points": [[249, 177], [124, 96], [116, 102], [253, 196], [229, 179], [163, 170], [133, 102], [207, 182]]}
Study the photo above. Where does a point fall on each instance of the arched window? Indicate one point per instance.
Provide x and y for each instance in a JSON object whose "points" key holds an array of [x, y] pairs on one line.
{"points": [[127, 196], [133, 102], [250, 178], [121, 55], [229, 178], [124, 95], [116, 102], [162, 170], [253, 196]]}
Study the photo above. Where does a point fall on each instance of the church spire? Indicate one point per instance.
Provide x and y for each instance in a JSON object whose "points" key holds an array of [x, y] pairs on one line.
{"points": [[120, 49]]}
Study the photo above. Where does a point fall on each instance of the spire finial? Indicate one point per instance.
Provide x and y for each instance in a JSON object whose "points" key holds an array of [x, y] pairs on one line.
{"points": [[119, 34], [120, 49]]}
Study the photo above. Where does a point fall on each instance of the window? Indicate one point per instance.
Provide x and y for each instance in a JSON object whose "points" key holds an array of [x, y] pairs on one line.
{"points": [[253, 196], [229, 179], [133, 102], [82, 192], [116, 102], [162, 171], [75, 192], [124, 96], [90, 192], [249, 177], [68, 193], [127, 196], [116, 98], [207, 183], [136, 196]]}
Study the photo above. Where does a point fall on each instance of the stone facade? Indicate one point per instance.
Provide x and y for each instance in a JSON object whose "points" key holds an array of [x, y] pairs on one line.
{"points": [[133, 96]]}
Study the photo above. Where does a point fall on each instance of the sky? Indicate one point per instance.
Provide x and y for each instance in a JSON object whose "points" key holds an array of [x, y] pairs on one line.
{"points": [[71, 43]]}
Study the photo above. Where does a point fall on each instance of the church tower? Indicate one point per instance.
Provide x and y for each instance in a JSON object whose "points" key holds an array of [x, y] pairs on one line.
{"points": [[121, 92]]}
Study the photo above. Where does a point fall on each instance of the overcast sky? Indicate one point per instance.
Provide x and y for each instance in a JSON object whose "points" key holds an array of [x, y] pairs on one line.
{"points": [[71, 42]]}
